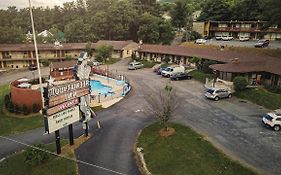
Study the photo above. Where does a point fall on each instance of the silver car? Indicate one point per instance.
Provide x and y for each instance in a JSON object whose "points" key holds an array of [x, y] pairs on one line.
{"points": [[216, 94], [135, 65]]}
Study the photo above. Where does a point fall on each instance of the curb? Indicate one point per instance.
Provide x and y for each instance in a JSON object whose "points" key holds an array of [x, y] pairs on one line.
{"points": [[139, 157]]}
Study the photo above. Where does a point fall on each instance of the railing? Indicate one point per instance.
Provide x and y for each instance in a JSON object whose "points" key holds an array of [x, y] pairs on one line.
{"points": [[111, 77], [234, 29]]}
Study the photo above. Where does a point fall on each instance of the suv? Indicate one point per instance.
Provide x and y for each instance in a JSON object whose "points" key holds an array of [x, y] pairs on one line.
{"points": [[244, 38], [262, 43], [273, 119], [216, 94], [227, 38], [135, 65]]}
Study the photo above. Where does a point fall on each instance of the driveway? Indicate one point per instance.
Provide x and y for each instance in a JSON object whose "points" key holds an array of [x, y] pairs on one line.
{"points": [[233, 125]]}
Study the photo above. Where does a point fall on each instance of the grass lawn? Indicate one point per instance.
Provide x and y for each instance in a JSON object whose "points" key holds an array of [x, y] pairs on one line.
{"points": [[200, 76], [261, 97], [12, 125], [185, 153], [54, 166]]}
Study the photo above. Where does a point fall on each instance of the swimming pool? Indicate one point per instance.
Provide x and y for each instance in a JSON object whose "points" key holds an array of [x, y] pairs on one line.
{"points": [[98, 88]]}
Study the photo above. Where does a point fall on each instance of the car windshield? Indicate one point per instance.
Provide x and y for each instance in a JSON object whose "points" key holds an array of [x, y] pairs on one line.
{"points": [[210, 91], [268, 117]]}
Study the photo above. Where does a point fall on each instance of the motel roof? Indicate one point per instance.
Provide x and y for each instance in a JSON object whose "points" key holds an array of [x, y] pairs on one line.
{"points": [[245, 61], [117, 45], [45, 47], [63, 64]]}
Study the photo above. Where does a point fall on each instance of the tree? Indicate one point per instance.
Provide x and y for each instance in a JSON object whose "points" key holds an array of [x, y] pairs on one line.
{"points": [[166, 32], [206, 64], [89, 49], [271, 11], [180, 13], [246, 10], [240, 83], [148, 28], [163, 104], [216, 10], [103, 52]]}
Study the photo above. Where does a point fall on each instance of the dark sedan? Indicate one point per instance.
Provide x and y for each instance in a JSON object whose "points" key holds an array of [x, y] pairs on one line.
{"points": [[181, 76], [262, 43]]}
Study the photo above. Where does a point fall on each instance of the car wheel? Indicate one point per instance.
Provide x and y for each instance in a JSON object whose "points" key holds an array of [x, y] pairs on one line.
{"points": [[217, 98], [230, 95], [276, 127], [168, 76]]}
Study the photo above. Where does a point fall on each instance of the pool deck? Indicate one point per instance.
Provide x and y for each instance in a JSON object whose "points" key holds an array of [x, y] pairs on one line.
{"points": [[115, 88]]}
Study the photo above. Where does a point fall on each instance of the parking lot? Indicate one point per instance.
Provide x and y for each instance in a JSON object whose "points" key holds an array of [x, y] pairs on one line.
{"points": [[237, 43]]}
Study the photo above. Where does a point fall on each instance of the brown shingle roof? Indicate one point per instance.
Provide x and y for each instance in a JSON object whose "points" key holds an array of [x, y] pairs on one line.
{"points": [[248, 61], [63, 64], [30, 47], [117, 45]]}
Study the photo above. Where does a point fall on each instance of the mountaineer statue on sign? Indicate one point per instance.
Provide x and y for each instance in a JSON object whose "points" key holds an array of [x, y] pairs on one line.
{"points": [[83, 70]]}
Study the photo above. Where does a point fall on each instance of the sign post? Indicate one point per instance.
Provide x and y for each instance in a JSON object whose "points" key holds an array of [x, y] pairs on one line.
{"points": [[70, 130], [57, 135]]}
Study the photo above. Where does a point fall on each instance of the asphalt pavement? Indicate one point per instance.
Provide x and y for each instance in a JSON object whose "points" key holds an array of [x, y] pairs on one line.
{"points": [[233, 125]]}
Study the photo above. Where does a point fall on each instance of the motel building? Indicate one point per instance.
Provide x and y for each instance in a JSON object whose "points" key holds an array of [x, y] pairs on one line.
{"points": [[256, 68], [14, 56]]}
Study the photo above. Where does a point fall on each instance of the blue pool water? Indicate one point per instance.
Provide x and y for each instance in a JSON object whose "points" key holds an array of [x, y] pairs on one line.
{"points": [[98, 88]]}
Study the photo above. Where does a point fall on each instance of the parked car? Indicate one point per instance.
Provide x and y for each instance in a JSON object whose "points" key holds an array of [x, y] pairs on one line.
{"points": [[273, 119], [262, 43], [200, 41], [218, 37], [160, 70], [156, 67], [135, 65], [244, 38], [32, 67], [217, 93], [169, 71], [227, 38], [181, 76]]}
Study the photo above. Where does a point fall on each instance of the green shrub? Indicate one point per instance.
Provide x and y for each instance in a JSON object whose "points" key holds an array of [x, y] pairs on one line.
{"points": [[205, 66], [167, 59], [240, 83], [35, 108], [35, 156], [17, 109], [25, 110], [7, 100], [11, 107]]}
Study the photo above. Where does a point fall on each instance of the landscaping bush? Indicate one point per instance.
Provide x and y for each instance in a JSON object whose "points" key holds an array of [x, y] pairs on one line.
{"points": [[34, 156], [7, 100], [205, 66], [167, 59], [17, 109], [25, 110], [240, 83], [35, 108], [11, 107]]}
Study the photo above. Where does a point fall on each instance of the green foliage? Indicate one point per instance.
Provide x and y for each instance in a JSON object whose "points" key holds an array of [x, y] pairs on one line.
{"points": [[25, 110], [147, 64], [17, 109], [35, 108], [7, 100], [215, 10], [11, 107], [261, 97], [13, 125], [134, 56], [183, 153], [240, 83], [200, 76], [206, 68], [35, 156], [167, 59], [89, 49], [191, 36], [11, 34], [103, 52], [180, 13], [45, 62]]}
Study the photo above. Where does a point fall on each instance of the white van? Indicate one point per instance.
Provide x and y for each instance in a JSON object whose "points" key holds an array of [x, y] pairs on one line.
{"points": [[172, 70]]}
